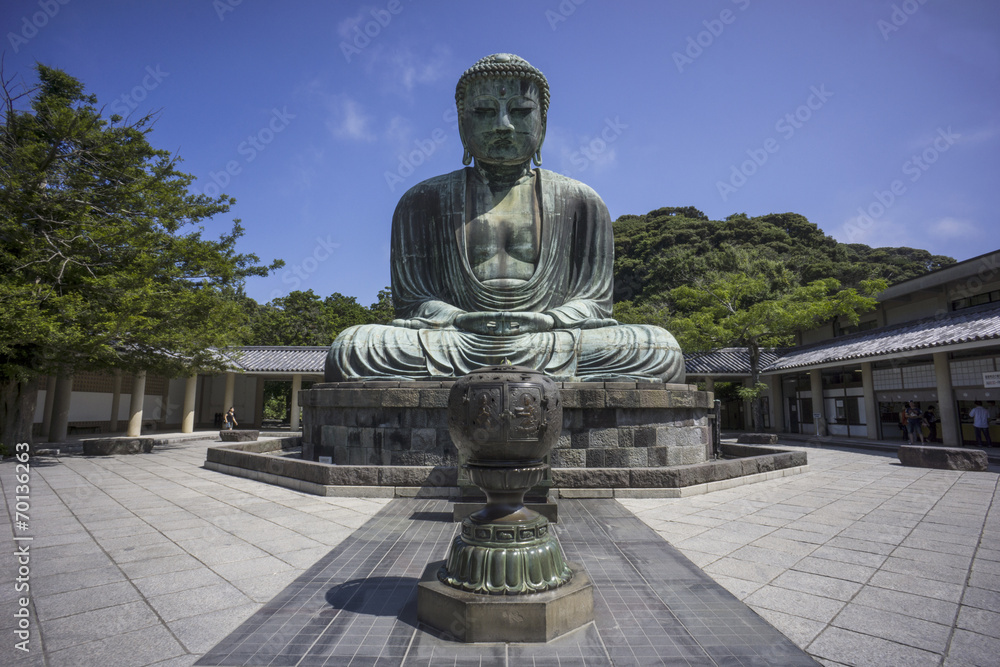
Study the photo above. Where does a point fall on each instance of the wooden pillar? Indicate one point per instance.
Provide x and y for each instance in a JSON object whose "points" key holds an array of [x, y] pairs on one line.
{"points": [[187, 414], [258, 404], [227, 399], [116, 400], [871, 404], [777, 403], [50, 394], [296, 388], [816, 391], [135, 404], [60, 408], [949, 426], [747, 409]]}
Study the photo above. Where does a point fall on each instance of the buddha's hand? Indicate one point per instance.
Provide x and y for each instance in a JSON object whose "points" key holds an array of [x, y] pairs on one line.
{"points": [[597, 323], [504, 323]]}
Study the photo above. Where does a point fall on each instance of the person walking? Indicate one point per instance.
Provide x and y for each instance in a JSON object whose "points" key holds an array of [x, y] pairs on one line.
{"points": [[981, 422], [231, 419], [931, 420]]}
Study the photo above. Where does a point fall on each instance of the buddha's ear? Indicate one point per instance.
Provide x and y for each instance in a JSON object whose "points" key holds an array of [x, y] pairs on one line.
{"points": [[537, 157], [466, 155]]}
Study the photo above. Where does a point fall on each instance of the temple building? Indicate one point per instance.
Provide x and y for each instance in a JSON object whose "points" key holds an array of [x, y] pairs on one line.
{"points": [[934, 339]]}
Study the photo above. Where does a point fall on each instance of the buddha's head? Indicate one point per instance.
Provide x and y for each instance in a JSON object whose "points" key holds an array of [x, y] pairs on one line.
{"points": [[502, 104]]}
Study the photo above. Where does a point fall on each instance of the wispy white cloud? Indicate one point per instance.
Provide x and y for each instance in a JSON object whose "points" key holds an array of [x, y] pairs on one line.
{"points": [[950, 229], [348, 120]]}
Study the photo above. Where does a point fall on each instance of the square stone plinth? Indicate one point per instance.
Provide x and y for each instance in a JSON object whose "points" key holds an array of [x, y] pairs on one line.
{"points": [[534, 617]]}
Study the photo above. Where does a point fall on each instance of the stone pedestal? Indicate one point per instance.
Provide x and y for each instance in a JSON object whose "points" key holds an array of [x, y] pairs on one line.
{"points": [[624, 425], [471, 617]]}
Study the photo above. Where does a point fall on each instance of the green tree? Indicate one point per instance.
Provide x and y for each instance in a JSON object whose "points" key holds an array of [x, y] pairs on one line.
{"points": [[99, 266], [303, 318], [670, 247], [758, 303]]}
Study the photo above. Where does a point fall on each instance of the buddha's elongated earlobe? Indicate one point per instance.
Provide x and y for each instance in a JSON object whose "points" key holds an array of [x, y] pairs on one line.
{"points": [[537, 157], [466, 157]]}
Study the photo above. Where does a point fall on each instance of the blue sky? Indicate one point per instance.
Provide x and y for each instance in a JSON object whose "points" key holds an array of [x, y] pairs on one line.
{"points": [[878, 121]]}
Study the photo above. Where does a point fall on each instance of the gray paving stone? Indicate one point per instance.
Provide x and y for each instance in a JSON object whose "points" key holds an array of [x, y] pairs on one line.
{"points": [[196, 601], [917, 606], [94, 625], [968, 648], [140, 647], [894, 627], [813, 607], [938, 590], [200, 633], [830, 587], [84, 600], [172, 582], [853, 648], [835, 569], [982, 598]]}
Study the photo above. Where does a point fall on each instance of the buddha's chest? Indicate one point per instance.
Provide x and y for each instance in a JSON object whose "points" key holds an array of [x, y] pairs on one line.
{"points": [[502, 234]]}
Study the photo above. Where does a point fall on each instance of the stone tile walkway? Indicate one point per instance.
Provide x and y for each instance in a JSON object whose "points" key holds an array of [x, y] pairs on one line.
{"points": [[859, 561], [153, 560]]}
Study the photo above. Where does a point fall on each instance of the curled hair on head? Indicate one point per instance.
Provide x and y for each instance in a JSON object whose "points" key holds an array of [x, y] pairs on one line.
{"points": [[498, 66]]}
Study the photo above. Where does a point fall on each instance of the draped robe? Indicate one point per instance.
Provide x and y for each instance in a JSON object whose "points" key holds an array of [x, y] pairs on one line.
{"points": [[433, 281]]}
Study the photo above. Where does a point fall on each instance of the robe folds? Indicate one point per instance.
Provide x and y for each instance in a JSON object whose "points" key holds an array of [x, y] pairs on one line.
{"points": [[433, 281]]}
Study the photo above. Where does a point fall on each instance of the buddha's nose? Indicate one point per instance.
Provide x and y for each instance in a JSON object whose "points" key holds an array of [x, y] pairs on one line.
{"points": [[503, 121]]}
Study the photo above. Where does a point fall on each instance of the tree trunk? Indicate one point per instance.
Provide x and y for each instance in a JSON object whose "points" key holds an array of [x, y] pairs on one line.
{"points": [[17, 411]]}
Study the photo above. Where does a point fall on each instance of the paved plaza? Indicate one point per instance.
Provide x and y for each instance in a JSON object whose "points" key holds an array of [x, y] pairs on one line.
{"points": [[153, 560]]}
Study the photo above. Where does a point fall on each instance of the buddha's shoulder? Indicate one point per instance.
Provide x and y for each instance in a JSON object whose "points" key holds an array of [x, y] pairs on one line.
{"points": [[437, 184], [567, 185]]}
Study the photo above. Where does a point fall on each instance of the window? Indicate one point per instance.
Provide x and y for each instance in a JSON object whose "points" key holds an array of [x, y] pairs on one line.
{"points": [[976, 300]]}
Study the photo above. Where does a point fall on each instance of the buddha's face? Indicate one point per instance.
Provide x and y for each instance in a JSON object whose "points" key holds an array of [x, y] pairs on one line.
{"points": [[502, 121]]}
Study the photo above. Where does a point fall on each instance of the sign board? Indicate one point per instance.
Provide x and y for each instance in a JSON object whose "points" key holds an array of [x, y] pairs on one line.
{"points": [[326, 459], [817, 415], [991, 380]]}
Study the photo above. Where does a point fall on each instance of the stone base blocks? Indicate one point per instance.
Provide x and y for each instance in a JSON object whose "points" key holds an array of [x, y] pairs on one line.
{"points": [[536, 617], [239, 435], [944, 458], [605, 425]]}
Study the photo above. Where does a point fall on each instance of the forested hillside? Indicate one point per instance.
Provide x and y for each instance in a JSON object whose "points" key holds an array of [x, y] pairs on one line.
{"points": [[674, 246]]}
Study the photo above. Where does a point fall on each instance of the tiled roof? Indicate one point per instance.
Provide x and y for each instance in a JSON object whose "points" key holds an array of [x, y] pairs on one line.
{"points": [[726, 361], [281, 359], [963, 326]]}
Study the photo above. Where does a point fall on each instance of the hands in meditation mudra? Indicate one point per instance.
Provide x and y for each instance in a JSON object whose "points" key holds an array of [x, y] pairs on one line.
{"points": [[499, 262]]}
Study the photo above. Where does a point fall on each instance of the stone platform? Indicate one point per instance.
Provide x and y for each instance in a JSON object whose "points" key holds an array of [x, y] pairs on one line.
{"points": [[605, 425]]}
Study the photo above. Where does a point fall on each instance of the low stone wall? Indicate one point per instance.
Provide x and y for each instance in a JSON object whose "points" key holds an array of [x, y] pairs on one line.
{"points": [[944, 458], [262, 461], [605, 425]]}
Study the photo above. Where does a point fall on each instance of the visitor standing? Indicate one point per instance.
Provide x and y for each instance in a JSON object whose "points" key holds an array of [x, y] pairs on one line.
{"points": [[981, 422], [914, 420]]}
